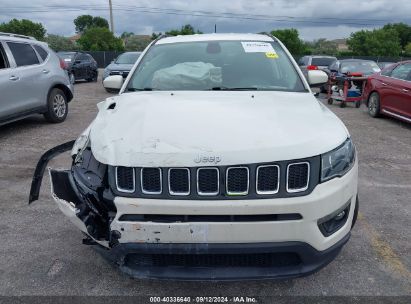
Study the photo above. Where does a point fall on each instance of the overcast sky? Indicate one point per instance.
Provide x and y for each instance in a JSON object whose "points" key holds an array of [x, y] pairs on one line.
{"points": [[313, 18]]}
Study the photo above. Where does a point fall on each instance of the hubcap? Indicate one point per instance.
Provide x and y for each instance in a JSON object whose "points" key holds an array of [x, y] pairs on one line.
{"points": [[59, 106]]}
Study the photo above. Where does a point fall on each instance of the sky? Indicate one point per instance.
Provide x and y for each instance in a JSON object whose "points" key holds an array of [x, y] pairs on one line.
{"points": [[314, 19]]}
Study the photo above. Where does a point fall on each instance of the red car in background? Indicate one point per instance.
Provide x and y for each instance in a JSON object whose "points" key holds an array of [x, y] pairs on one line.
{"points": [[389, 92]]}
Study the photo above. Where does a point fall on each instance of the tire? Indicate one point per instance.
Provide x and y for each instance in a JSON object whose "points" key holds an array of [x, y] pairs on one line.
{"points": [[94, 76], [374, 105], [57, 107], [355, 216], [343, 104], [358, 104], [330, 101]]}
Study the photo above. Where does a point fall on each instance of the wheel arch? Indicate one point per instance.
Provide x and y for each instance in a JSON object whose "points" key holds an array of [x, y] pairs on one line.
{"points": [[62, 87]]}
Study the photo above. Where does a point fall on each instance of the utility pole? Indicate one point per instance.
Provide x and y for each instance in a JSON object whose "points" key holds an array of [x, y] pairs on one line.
{"points": [[111, 16]]}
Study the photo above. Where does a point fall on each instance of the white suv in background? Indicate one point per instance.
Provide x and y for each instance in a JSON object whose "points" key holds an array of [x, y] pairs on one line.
{"points": [[214, 162], [32, 80]]}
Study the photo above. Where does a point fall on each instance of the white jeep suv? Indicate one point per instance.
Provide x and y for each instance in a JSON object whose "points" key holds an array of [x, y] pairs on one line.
{"points": [[214, 162]]}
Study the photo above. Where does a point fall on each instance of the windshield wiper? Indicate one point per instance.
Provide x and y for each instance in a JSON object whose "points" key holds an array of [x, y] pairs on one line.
{"points": [[234, 89], [144, 89]]}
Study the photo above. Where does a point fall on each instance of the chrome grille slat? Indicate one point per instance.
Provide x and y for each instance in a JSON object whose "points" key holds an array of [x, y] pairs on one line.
{"points": [[206, 182], [298, 177], [123, 182], [151, 180], [179, 181], [268, 182], [237, 180]]}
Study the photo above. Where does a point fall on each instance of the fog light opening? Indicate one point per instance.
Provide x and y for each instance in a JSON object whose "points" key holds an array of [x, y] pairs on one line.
{"points": [[335, 221]]}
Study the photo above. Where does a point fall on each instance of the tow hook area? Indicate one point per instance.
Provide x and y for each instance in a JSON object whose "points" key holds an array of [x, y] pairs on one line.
{"points": [[82, 194]]}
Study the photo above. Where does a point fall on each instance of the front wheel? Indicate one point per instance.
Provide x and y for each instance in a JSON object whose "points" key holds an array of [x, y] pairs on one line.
{"points": [[374, 104], [57, 107]]}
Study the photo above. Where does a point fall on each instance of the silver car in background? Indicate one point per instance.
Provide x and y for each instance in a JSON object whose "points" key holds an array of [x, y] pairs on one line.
{"points": [[122, 65], [32, 80]]}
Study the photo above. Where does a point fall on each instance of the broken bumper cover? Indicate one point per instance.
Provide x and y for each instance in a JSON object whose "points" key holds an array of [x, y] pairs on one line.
{"points": [[220, 261]]}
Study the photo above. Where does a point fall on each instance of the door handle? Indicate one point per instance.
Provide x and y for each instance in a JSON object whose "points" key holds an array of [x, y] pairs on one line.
{"points": [[384, 84], [46, 71], [14, 78], [405, 90]]}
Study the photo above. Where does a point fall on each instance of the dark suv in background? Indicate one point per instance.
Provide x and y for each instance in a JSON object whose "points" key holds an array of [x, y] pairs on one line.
{"points": [[80, 66]]}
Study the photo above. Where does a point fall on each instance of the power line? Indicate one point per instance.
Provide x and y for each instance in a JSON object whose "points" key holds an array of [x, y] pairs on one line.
{"points": [[208, 14]]}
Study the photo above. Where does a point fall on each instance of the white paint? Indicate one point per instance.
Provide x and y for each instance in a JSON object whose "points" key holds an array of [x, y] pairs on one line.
{"points": [[159, 128]]}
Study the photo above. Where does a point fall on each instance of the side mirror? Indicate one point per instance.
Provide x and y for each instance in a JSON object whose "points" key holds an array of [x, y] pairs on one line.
{"points": [[113, 82], [317, 78]]}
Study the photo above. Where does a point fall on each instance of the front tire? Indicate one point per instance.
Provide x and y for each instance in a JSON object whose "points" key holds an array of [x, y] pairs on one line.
{"points": [[57, 106], [374, 105]]}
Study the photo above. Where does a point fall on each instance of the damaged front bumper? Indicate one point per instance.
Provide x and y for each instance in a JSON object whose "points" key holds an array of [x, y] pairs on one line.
{"points": [[84, 196]]}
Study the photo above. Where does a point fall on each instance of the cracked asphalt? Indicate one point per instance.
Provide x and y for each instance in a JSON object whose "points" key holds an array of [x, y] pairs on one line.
{"points": [[41, 251]]}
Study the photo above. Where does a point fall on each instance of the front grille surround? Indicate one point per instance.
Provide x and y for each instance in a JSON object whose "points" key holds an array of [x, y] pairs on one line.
{"points": [[124, 190], [299, 189], [313, 180]]}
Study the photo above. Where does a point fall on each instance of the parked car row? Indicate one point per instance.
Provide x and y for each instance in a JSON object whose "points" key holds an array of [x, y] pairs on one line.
{"points": [[388, 86]]}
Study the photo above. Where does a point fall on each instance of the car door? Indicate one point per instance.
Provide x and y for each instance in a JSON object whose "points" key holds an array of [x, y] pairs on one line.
{"points": [[24, 81], [397, 101], [8, 85]]}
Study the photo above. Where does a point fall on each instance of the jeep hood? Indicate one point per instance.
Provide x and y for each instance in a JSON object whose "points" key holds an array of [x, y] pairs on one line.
{"points": [[173, 128]]}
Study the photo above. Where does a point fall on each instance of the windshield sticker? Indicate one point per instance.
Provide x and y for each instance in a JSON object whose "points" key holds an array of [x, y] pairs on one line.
{"points": [[271, 55], [257, 47]]}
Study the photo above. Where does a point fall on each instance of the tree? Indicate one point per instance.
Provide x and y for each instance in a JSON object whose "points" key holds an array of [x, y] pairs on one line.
{"points": [[60, 43], [85, 22], [407, 49], [185, 30], [100, 39], [403, 30], [381, 42], [291, 40], [137, 42], [24, 27], [126, 35], [323, 46]]}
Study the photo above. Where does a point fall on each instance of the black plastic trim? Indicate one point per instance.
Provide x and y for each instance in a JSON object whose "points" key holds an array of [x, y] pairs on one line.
{"points": [[311, 260]]}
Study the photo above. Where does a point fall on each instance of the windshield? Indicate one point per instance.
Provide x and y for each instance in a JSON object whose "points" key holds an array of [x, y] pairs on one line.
{"points": [[216, 65], [365, 67], [322, 61], [127, 58]]}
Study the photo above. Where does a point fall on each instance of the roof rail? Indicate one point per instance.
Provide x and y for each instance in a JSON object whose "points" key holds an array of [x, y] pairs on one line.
{"points": [[17, 36]]}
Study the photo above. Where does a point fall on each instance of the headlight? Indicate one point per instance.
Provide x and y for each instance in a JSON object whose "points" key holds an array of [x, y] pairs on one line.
{"points": [[338, 161], [81, 143]]}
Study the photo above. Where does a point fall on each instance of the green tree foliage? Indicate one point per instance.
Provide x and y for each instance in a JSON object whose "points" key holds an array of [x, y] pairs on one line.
{"points": [[403, 30], [292, 41], [323, 46], [185, 30], [126, 35], [136, 42], [407, 49], [24, 27], [60, 43], [100, 39], [85, 22], [381, 42]]}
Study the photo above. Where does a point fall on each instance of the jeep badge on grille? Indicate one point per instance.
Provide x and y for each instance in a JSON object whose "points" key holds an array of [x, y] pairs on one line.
{"points": [[207, 159]]}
